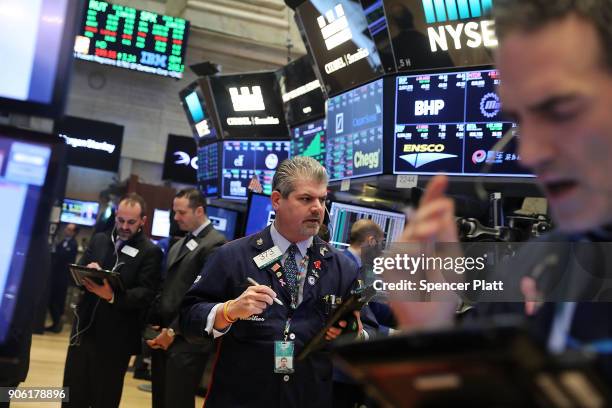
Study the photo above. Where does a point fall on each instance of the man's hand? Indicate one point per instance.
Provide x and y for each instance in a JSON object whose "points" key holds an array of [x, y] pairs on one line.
{"points": [[104, 291], [162, 341], [94, 265], [333, 332], [254, 300], [434, 220]]}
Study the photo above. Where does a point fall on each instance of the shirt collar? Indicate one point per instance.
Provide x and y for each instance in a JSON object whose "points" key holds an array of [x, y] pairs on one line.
{"points": [[355, 255], [283, 243], [197, 231]]}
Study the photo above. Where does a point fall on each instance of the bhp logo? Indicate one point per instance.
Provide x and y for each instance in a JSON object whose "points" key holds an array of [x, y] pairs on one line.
{"points": [[334, 27], [247, 100], [439, 11], [432, 107]]}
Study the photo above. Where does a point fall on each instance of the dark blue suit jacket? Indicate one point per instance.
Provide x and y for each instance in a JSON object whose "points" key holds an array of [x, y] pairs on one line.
{"points": [[244, 368]]}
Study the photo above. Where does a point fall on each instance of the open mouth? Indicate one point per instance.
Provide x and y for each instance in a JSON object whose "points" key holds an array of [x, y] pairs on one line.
{"points": [[557, 189]]}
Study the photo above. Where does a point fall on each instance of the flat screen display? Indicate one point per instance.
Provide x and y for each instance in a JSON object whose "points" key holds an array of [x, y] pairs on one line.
{"points": [[139, 40], [341, 43], [24, 167], [194, 104], [181, 160], [223, 220], [248, 106], [450, 123], [91, 143], [160, 226], [79, 212], [355, 133], [343, 216], [242, 161], [36, 39], [208, 169], [301, 91], [309, 140], [260, 213], [427, 34]]}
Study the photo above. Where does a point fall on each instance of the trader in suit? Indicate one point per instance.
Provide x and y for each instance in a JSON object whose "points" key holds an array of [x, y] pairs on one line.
{"points": [[109, 320], [562, 105], [300, 278], [64, 252], [178, 366]]}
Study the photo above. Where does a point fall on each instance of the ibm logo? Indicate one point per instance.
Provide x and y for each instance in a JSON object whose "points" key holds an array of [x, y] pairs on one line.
{"points": [[334, 27], [439, 11], [247, 100]]}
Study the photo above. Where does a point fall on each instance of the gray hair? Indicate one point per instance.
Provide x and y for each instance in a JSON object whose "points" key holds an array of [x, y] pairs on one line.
{"points": [[530, 15], [298, 167]]}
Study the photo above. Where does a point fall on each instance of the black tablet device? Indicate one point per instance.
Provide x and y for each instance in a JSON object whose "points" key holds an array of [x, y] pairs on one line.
{"points": [[97, 275]]}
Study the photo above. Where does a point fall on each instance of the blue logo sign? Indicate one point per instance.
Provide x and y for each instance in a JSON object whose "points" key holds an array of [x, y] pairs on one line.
{"points": [[439, 11]]}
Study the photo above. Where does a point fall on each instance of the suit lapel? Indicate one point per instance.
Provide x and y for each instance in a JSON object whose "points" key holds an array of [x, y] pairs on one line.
{"points": [[318, 255], [261, 242], [175, 250]]}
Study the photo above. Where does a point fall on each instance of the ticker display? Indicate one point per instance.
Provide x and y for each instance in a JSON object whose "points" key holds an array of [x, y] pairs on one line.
{"points": [[208, 169], [243, 160], [134, 39], [309, 140], [355, 133], [450, 123]]}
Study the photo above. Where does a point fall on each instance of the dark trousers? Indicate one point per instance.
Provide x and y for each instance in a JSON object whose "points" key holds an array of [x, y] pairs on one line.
{"points": [[94, 375], [57, 294], [175, 377]]}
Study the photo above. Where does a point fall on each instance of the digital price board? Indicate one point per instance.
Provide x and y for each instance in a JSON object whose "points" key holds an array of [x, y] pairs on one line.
{"points": [[134, 39]]}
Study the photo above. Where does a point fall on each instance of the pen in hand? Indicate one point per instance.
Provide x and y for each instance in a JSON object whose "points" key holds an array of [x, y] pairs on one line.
{"points": [[254, 282]]}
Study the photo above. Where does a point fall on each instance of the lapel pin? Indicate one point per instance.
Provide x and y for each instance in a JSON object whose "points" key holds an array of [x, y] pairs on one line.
{"points": [[311, 280], [259, 242], [323, 251]]}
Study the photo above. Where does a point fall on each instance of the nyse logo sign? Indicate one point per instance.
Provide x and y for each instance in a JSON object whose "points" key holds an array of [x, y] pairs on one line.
{"points": [[433, 107], [334, 27], [183, 158], [471, 34], [247, 100]]}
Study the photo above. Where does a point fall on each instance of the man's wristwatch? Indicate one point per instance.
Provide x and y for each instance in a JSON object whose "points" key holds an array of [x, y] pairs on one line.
{"points": [[171, 332]]}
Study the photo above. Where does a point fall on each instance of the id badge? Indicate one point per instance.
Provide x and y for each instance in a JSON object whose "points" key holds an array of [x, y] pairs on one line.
{"points": [[283, 357]]}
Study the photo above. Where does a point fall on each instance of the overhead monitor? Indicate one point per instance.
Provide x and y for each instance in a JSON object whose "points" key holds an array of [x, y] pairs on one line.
{"points": [[36, 40], [193, 102], [449, 123], [181, 160], [91, 143], [209, 169], [138, 40], [260, 213], [248, 162], [355, 133], [429, 34], [247, 106], [309, 140], [301, 91], [337, 34], [342, 217], [28, 168], [160, 226], [223, 220], [80, 212]]}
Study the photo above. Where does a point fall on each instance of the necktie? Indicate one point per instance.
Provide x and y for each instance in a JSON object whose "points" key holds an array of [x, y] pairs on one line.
{"points": [[119, 244], [291, 273]]}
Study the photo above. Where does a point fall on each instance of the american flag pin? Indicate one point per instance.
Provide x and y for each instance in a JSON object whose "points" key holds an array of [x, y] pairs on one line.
{"points": [[275, 267]]}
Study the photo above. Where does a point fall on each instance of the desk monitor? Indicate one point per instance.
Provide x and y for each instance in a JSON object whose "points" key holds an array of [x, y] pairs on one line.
{"points": [[223, 220], [259, 214]]}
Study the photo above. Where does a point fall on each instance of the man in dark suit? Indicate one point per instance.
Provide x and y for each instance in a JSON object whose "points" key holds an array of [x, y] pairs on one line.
{"points": [[177, 365], [64, 253], [562, 104], [299, 279], [109, 321]]}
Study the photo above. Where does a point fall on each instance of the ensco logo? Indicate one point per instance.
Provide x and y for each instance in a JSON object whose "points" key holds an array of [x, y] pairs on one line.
{"points": [[490, 105], [424, 154]]}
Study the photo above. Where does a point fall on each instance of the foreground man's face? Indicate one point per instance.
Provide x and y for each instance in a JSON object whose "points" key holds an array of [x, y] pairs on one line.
{"points": [[556, 86]]}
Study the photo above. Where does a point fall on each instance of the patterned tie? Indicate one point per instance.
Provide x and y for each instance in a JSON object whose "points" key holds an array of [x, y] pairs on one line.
{"points": [[291, 272]]}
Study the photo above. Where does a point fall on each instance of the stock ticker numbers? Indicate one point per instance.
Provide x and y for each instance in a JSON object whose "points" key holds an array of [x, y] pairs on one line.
{"points": [[134, 39]]}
